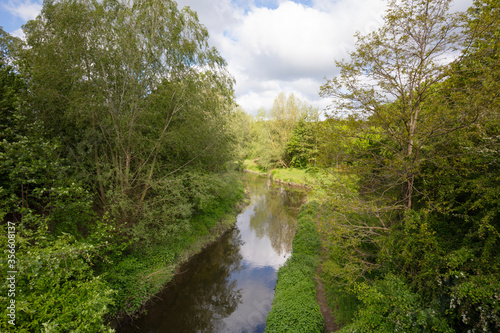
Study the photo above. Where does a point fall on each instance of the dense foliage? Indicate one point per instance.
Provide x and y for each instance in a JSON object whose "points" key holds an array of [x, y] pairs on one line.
{"points": [[118, 134], [285, 136], [411, 226]]}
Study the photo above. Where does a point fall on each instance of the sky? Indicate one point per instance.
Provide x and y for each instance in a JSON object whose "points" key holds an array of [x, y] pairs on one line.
{"points": [[271, 46]]}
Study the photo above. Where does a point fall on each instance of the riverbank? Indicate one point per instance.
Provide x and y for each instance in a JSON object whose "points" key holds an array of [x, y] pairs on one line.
{"points": [[303, 178], [295, 307], [143, 274]]}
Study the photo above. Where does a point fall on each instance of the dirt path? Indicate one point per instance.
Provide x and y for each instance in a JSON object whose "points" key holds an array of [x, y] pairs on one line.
{"points": [[330, 325]]}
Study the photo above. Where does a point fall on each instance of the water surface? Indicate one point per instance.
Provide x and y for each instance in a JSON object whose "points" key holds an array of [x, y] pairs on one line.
{"points": [[229, 287]]}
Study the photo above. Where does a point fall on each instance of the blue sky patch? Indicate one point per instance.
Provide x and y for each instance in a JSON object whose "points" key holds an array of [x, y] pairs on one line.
{"points": [[271, 4], [307, 3], [9, 22]]}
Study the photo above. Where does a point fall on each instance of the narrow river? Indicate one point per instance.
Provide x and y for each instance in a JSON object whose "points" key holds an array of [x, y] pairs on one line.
{"points": [[229, 287]]}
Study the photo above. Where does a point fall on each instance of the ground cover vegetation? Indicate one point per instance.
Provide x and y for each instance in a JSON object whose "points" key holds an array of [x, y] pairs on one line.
{"points": [[294, 306], [118, 141], [407, 165]]}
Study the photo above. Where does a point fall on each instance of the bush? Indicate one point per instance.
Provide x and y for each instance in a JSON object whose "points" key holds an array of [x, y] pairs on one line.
{"points": [[390, 306], [56, 290]]}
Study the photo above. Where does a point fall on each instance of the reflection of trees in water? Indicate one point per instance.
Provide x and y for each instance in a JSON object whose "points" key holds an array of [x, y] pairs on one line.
{"points": [[202, 294], [214, 295], [275, 214]]}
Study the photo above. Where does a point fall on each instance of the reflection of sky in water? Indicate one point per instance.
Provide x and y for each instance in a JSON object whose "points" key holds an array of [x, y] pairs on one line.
{"points": [[257, 251], [257, 278], [257, 291], [229, 287]]}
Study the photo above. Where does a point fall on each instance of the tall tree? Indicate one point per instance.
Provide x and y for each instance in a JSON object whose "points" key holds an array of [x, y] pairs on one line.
{"points": [[278, 127], [302, 147], [133, 90], [390, 84], [445, 144]]}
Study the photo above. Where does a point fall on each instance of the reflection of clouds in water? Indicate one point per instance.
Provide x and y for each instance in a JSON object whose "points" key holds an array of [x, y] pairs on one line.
{"points": [[257, 249], [271, 217], [257, 287], [266, 229]]}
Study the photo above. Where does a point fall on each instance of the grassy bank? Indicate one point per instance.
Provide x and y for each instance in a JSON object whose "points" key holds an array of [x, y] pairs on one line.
{"points": [[289, 176], [251, 167], [295, 308], [292, 176], [141, 274]]}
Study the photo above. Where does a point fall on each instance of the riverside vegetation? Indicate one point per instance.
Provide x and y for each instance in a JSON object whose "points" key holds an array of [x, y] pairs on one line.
{"points": [[406, 167], [120, 137]]}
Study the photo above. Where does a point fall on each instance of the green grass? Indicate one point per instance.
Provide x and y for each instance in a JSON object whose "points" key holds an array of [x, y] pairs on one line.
{"points": [[252, 166], [294, 176], [295, 308], [137, 276], [317, 179]]}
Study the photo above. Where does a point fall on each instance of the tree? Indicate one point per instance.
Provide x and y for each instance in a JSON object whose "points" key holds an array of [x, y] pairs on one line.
{"points": [[462, 185], [302, 147], [278, 125], [444, 249], [390, 84], [386, 111], [133, 91], [11, 84]]}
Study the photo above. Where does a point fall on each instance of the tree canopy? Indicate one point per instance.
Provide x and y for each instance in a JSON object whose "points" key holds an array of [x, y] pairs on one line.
{"points": [[411, 219], [127, 87]]}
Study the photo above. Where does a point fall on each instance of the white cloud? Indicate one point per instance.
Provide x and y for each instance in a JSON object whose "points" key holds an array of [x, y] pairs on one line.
{"points": [[286, 43], [285, 46], [292, 48], [25, 10], [18, 33], [276, 45]]}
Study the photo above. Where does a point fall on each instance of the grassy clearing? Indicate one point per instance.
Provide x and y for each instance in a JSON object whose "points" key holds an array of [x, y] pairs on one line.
{"points": [[293, 176], [252, 167], [323, 182], [295, 308]]}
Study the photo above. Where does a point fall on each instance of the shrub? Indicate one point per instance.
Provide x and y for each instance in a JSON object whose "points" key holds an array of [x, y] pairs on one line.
{"points": [[56, 290], [390, 306]]}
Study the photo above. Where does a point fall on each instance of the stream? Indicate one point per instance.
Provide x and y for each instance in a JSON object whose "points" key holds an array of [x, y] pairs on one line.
{"points": [[229, 287]]}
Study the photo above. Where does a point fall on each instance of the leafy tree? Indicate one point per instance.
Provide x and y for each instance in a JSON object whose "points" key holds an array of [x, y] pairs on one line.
{"points": [[302, 147], [461, 186], [390, 82], [273, 129], [132, 90], [241, 126], [11, 84], [441, 256], [383, 118], [114, 113]]}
